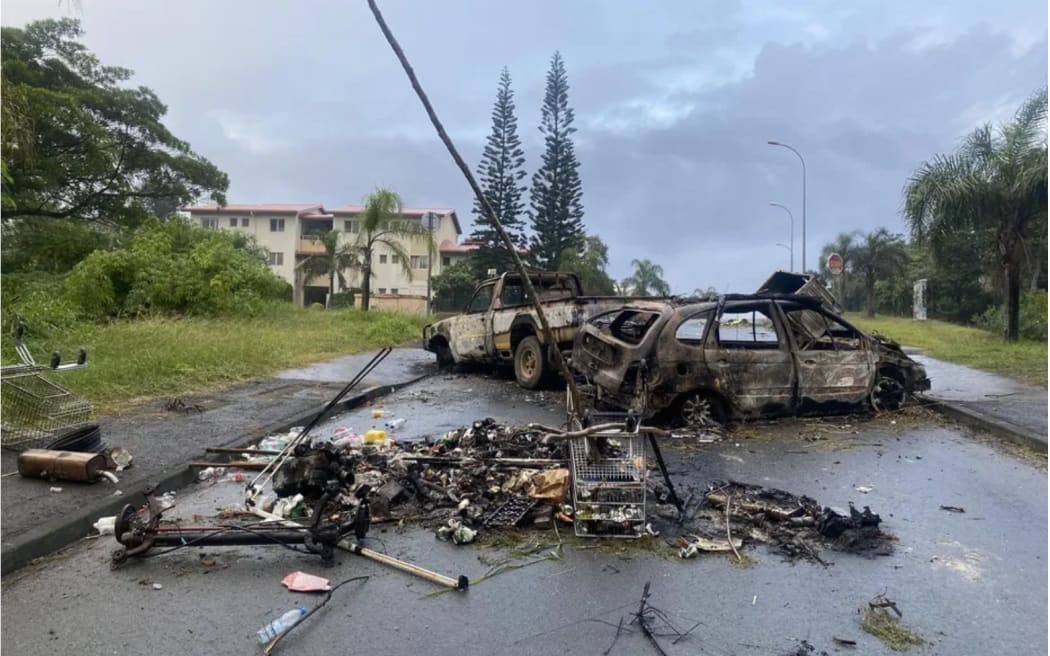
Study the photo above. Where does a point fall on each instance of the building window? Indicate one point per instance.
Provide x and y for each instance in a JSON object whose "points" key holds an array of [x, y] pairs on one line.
{"points": [[350, 226], [395, 259], [393, 290], [244, 222], [210, 224], [382, 290], [276, 225], [446, 261], [420, 261], [233, 222], [382, 259], [275, 259]]}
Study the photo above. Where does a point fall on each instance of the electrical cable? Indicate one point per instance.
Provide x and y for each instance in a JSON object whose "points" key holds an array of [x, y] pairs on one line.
{"points": [[273, 643]]}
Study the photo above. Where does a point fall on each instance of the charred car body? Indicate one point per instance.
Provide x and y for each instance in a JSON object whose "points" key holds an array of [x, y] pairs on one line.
{"points": [[740, 355]]}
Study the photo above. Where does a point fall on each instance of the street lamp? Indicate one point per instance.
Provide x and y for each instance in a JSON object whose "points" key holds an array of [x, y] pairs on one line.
{"points": [[785, 247], [784, 145], [792, 232]]}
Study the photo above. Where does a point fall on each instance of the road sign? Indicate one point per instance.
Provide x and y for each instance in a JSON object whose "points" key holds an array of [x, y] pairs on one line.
{"points": [[835, 264]]}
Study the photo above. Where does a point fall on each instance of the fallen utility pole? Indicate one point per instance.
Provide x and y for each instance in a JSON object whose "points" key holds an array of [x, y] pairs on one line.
{"points": [[486, 206]]}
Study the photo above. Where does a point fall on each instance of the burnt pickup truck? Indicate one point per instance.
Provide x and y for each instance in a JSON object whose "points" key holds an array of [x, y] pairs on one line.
{"points": [[499, 324]]}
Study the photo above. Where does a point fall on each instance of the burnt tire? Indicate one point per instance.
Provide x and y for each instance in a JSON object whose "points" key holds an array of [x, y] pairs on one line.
{"points": [[701, 409], [888, 393], [530, 363], [444, 356]]}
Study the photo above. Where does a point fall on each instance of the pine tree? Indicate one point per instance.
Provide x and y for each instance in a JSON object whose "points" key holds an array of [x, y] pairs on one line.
{"points": [[500, 172], [557, 195]]}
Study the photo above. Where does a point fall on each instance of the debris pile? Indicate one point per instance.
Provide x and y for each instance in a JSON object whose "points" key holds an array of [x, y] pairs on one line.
{"points": [[797, 526]]}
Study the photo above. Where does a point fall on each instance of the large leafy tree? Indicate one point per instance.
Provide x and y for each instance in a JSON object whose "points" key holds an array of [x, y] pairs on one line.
{"points": [[338, 256], [382, 224], [499, 173], [80, 143], [647, 279], [877, 257], [590, 266], [556, 197], [995, 186]]}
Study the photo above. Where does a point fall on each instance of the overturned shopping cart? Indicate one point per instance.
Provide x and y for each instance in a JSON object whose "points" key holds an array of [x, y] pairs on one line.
{"points": [[35, 410]]}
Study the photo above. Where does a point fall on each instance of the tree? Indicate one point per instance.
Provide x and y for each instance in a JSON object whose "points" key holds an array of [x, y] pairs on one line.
{"points": [[878, 257], [994, 185], [80, 143], [453, 287], [383, 225], [556, 198], [337, 257], [647, 279], [590, 266], [499, 173]]}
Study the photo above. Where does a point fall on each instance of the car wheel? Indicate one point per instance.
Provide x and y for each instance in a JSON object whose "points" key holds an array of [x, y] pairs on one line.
{"points": [[887, 394], [444, 356], [701, 410], [530, 363]]}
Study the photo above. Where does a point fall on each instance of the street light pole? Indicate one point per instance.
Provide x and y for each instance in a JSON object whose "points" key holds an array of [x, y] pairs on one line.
{"points": [[792, 232], [785, 247], [784, 145]]}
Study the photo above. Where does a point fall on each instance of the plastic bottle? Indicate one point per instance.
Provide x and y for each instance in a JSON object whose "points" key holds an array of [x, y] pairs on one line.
{"points": [[280, 625], [377, 413], [394, 424]]}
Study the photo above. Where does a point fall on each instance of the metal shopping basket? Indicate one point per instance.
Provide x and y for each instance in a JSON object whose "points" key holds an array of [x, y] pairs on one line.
{"points": [[35, 410], [608, 490]]}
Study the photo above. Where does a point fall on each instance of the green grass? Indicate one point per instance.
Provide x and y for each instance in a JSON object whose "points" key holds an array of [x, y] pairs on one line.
{"points": [[133, 360], [1024, 360]]}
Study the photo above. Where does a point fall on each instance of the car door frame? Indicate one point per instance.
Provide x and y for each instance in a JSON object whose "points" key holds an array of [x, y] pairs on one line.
{"points": [[737, 371], [471, 336], [831, 376]]}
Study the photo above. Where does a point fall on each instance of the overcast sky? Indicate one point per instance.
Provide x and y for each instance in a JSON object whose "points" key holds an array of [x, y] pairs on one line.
{"points": [[674, 101]]}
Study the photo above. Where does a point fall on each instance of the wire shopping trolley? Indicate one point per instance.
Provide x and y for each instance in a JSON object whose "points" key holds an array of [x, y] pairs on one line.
{"points": [[35, 410]]}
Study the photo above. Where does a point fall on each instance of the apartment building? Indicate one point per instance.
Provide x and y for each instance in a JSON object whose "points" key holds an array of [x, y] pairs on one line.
{"points": [[291, 234]]}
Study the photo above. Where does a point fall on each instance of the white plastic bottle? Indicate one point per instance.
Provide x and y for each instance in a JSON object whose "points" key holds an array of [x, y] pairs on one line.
{"points": [[280, 625]]}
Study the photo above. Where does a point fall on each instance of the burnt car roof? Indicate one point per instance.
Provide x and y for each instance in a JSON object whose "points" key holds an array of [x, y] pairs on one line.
{"points": [[800, 300]]}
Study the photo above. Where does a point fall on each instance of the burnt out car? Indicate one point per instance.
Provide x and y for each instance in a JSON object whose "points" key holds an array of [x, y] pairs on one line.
{"points": [[741, 356]]}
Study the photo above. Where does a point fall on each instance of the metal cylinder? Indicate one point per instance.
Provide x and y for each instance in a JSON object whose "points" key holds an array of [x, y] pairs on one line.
{"points": [[61, 465]]}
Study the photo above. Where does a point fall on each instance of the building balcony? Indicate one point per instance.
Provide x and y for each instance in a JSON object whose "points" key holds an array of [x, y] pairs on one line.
{"points": [[310, 246]]}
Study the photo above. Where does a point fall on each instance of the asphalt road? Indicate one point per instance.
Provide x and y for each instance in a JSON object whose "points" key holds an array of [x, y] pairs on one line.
{"points": [[970, 583]]}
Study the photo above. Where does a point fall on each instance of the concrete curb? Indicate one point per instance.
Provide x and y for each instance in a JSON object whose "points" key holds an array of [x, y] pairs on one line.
{"points": [[63, 531], [983, 422]]}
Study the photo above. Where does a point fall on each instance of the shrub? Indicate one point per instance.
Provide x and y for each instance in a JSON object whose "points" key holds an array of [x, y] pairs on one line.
{"points": [[175, 267], [1032, 317]]}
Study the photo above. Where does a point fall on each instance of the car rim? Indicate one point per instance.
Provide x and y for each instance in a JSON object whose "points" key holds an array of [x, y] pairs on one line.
{"points": [[888, 394], [698, 411], [528, 364]]}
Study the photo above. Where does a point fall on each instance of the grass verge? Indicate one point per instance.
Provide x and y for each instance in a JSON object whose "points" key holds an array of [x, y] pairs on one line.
{"points": [[129, 360], [1024, 360]]}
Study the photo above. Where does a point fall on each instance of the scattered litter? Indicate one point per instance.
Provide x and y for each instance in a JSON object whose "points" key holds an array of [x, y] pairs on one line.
{"points": [[293, 506], [117, 493], [456, 532], [105, 525], [178, 405], [805, 649], [120, 458], [754, 600], [56, 490], [109, 476], [302, 582], [278, 626], [954, 509], [394, 424], [158, 586], [693, 545], [843, 642], [877, 620], [863, 489]]}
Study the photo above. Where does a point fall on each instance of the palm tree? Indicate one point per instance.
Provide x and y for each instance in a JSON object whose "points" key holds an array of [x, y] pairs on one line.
{"points": [[382, 224], [337, 257], [648, 279], [879, 256], [994, 185]]}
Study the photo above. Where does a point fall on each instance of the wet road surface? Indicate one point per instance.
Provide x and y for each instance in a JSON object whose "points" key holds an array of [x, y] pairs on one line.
{"points": [[970, 583]]}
